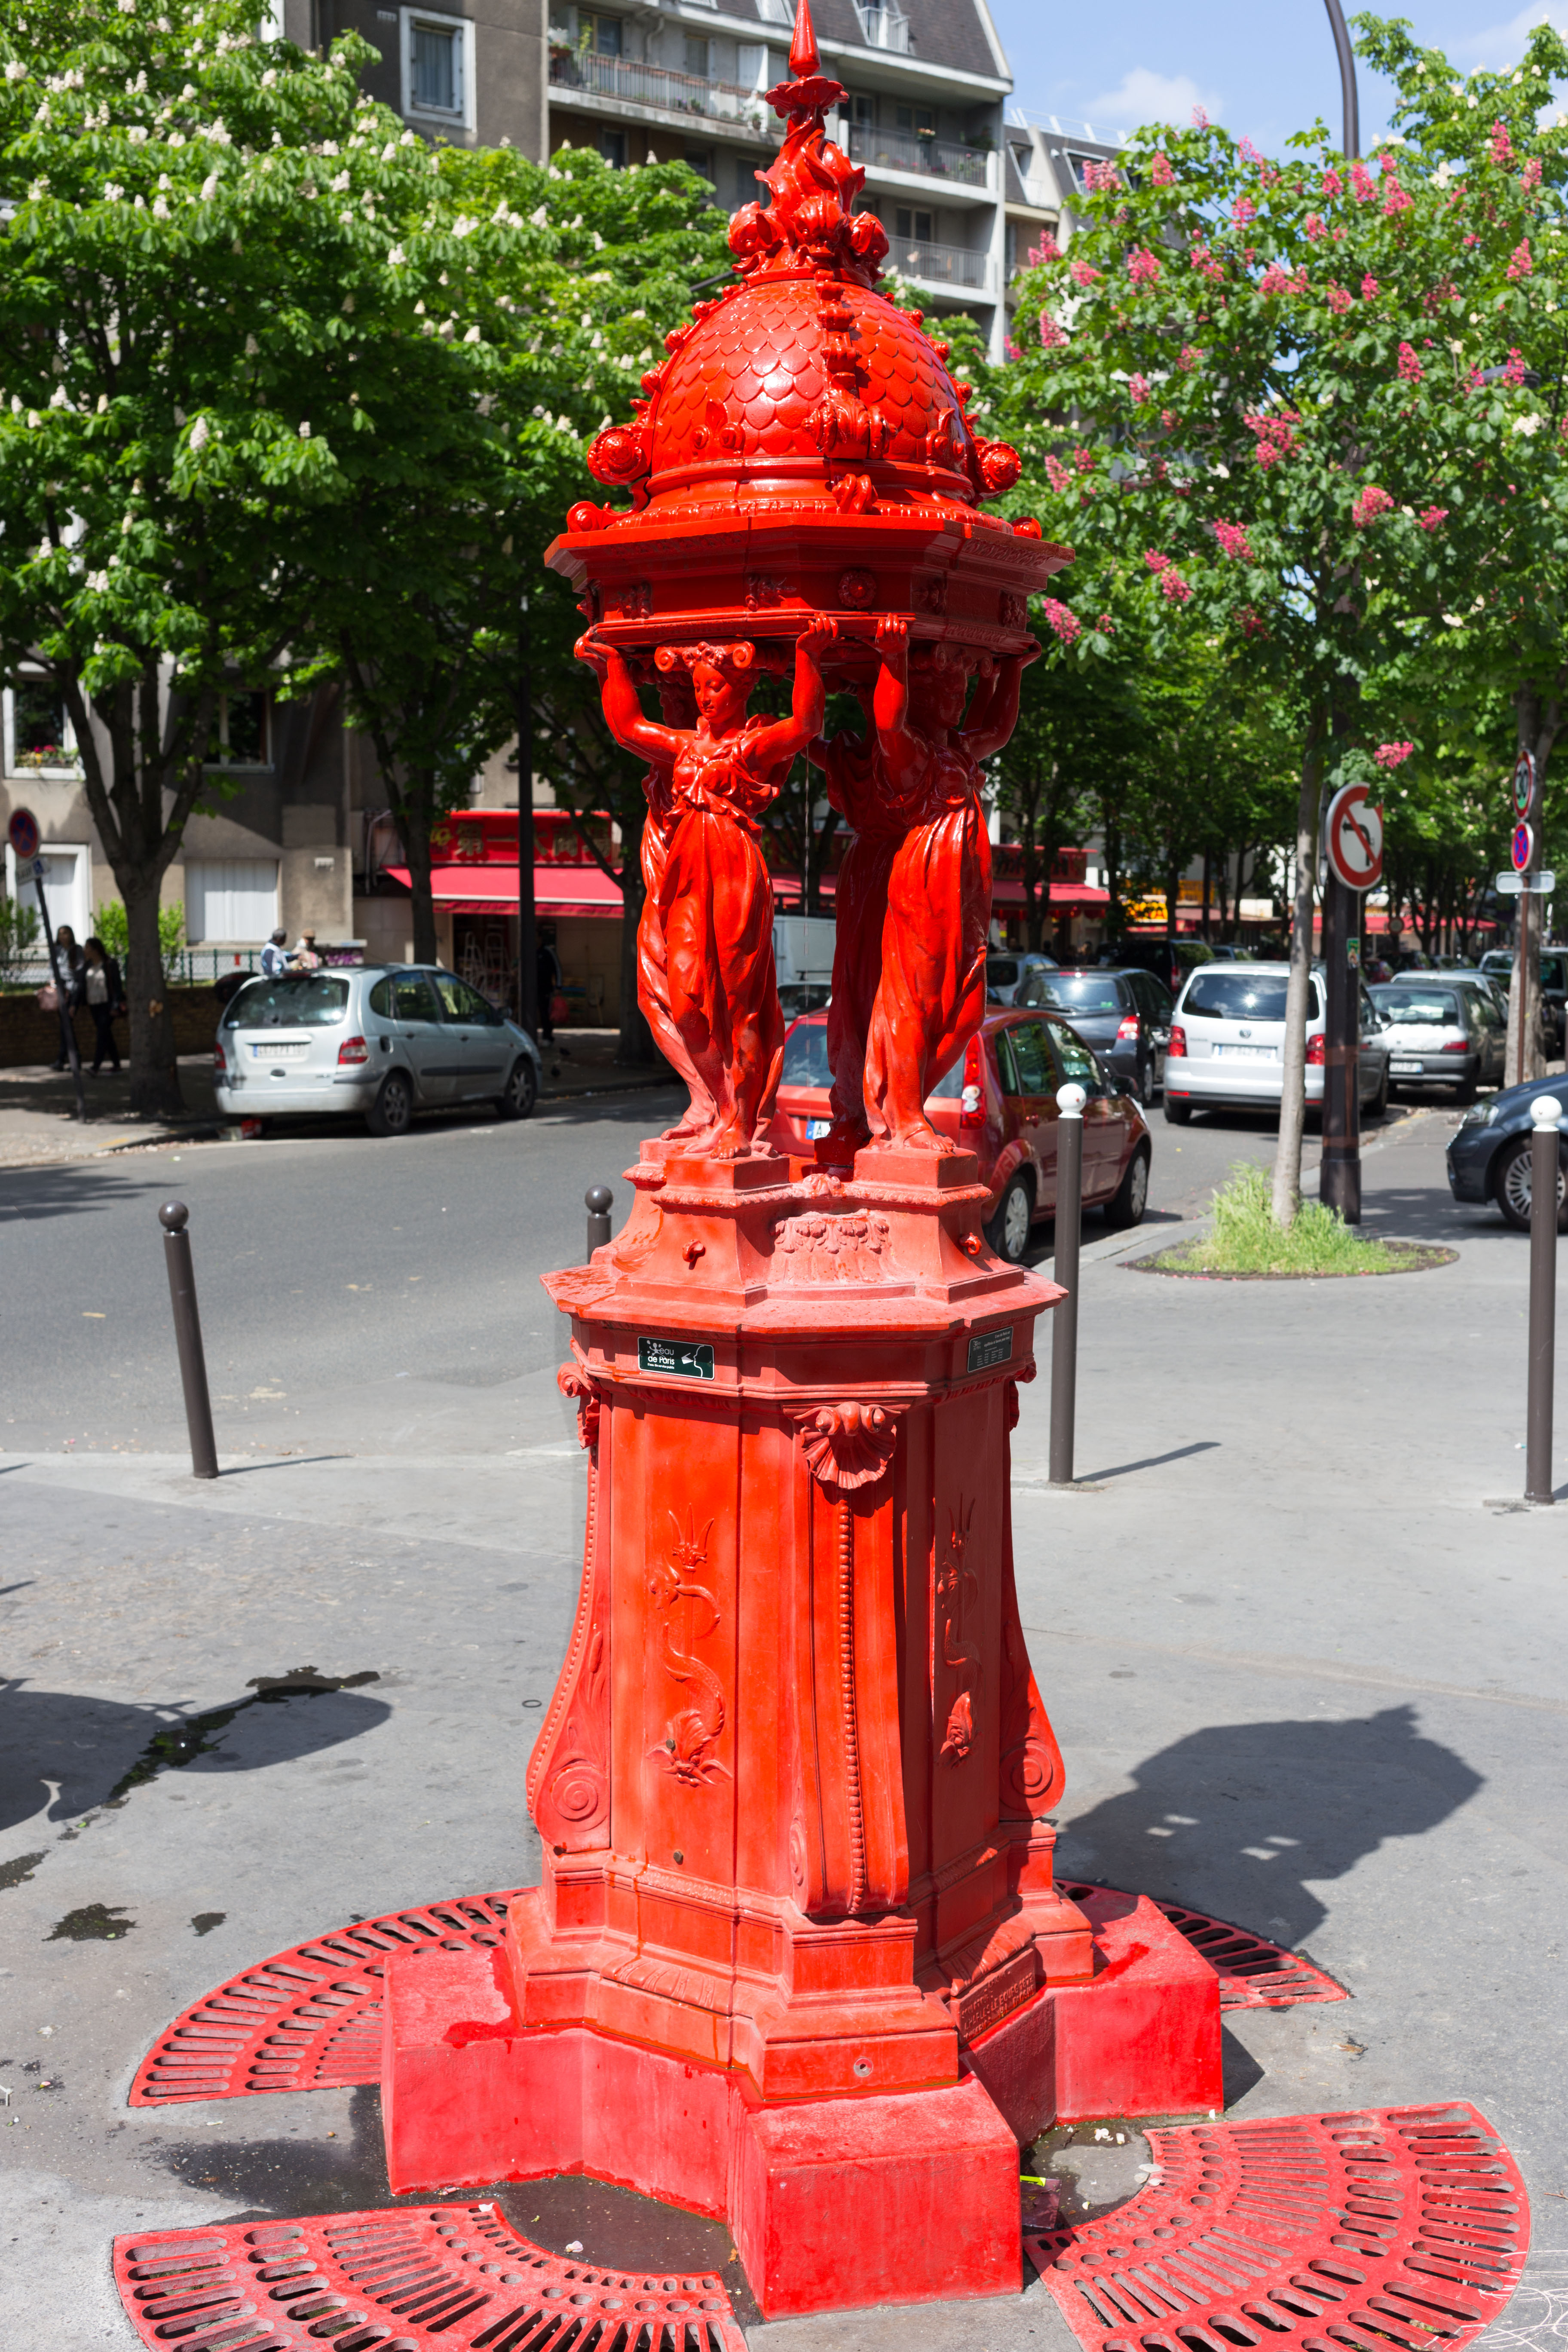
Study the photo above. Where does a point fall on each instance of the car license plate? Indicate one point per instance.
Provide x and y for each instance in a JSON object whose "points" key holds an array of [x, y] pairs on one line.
{"points": [[1247, 1052], [290, 1053], [1403, 1069], [816, 1126]]}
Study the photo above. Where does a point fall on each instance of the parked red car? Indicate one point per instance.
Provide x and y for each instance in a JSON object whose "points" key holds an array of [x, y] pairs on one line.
{"points": [[1000, 1102]]}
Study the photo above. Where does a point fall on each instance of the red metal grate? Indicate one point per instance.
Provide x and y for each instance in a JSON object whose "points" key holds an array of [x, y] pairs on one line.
{"points": [[309, 2019], [1253, 1973], [1387, 2230], [457, 2277]]}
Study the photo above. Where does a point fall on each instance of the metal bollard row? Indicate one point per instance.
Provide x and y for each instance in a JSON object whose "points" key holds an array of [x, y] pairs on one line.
{"points": [[1546, 1112], [174, 1216], [1070, 1101]]}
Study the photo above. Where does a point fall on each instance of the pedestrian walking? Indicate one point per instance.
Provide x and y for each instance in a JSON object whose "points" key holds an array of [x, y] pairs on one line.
{"points": [[69, 961], [103, 994], [275, 954]]}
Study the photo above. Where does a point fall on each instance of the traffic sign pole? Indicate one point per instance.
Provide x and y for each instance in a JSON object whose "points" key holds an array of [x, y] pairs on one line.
{"points": [[1353, 843], [1524, 993]]}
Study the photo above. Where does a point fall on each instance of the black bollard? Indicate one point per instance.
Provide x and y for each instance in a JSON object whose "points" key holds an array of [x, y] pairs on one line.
{"points": [[598, 1198], [1070, 1101], [1546, 1112], [174, 1216]]}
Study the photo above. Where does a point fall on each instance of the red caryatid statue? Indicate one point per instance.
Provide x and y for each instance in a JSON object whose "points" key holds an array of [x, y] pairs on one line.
{"points": [[796, 1959]]}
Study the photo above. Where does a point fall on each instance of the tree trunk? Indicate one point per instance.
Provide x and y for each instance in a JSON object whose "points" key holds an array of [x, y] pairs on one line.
{"points": [[414, 824], [154, 1071], [1208, 892], [1222, 876], [1287, 1198], [1172, 899]]}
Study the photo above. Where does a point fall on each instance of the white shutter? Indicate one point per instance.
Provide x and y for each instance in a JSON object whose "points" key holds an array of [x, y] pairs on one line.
{"points": [[231, 899]]}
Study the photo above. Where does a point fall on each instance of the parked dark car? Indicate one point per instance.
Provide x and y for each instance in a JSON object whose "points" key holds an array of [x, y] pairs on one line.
{"points": [[1488, 1157], [1169, 960], [1124, 1015], [1000, 1102], [1498, 965]]}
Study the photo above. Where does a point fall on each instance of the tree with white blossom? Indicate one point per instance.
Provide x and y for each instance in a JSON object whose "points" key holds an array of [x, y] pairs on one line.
{"points": [[248, 319]]}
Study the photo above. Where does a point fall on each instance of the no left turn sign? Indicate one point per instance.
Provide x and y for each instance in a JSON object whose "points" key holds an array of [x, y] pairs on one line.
{"points": [[1355, 838]]}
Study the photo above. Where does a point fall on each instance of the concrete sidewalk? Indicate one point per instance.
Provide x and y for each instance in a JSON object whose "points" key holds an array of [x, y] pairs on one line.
{"points": [[1339, 1720]]}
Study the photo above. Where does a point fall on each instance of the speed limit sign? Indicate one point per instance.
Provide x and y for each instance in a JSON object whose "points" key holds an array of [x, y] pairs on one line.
{"points": [[1354, 838]]}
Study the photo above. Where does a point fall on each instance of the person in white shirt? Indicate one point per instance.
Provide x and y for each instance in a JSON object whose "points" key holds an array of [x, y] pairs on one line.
{"points": [[275, 955]]}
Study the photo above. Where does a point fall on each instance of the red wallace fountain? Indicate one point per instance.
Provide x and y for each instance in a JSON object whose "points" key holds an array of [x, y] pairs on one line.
{"points": [[797, 1960]]}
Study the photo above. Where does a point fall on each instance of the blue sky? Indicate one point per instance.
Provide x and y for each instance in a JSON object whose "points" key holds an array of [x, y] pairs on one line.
{"points": [[1263, 70]]}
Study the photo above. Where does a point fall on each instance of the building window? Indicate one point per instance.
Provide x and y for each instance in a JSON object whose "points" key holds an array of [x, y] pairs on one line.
{"points": [[775, 12], [921, 120], [39, 740], [438, 67], [612, 148], [233, 899], [860, 109], [238, 737], [700, 160], [696, 55], [915, 225], [602, 36], [66, 875]]}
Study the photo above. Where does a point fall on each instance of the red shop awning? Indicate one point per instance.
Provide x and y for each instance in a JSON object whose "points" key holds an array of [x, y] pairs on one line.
{"points": [[492, 889]]}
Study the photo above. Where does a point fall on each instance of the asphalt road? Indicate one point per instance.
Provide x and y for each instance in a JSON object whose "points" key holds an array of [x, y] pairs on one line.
{"points": [[328, 1261]]}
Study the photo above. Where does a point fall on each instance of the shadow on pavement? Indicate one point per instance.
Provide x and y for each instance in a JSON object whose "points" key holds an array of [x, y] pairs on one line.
{"points": [[64, 1754], [68, 1187], [1237, 1818]]}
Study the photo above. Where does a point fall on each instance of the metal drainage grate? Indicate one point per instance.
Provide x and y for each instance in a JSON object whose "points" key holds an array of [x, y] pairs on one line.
{"points": [[1253, 1973], [1388, 2229], [446, 2277], [310, 2018]]}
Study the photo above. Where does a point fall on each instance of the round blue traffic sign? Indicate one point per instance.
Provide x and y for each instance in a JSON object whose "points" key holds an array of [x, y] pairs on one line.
{"points": [[1522, 848], [24, 833]]}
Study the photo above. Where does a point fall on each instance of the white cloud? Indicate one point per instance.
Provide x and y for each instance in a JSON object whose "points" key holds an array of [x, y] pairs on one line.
{"points": [[1497, 47], [1143, 96]]}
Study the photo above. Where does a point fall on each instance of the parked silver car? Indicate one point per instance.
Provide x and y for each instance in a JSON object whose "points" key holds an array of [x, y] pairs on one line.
{"points": [[1226, 1048], [382, 1040], [1444, 1029], [1008, 969]]}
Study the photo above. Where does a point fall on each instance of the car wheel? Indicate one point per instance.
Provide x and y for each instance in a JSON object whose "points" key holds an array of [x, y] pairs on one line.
{"points": [[1130, 1198], [391, 1112], [1177, 1114], [1378, 1107], [1008, 1231], [1512, 1186], [1146, 1086], [1464, 1092], [521, 1090]]}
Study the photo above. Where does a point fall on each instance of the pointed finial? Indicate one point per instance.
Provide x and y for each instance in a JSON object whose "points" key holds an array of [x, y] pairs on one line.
{"points": [[804, 59]]}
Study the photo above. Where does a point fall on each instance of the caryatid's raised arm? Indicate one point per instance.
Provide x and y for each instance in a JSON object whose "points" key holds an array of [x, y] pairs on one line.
{"points": [[778, 744], [994, 712], [623, 710]]}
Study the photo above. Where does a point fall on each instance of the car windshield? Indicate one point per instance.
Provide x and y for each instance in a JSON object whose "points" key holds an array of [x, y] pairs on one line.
{"points": [[1089, 992], [806, 1056], [1419, 1008], [1001, 971], [1222, 995], [303, 1000]]}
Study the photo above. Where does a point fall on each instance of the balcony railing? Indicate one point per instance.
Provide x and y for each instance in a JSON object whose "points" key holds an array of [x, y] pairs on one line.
{"points": [[884, 27], [940, 265], [644, 85], [907, 151]]}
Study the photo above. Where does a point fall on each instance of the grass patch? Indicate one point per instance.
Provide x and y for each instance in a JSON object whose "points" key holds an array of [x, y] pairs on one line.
{"points": [[1246, 1239]]}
